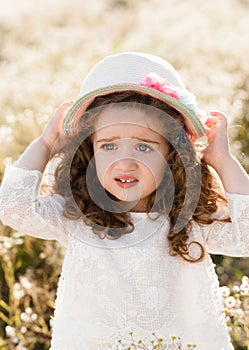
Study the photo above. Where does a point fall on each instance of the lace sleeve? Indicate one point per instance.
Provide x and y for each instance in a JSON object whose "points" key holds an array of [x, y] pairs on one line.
{"points": [[24, 210], [230, 238]]}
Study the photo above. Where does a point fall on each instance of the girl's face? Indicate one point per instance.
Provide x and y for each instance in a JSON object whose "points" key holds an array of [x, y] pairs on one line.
{"points": [[130, 155]]}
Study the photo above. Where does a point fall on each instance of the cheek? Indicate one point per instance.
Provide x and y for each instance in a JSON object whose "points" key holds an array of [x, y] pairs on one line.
{"points": [[102, 168], [160, 172], [155, 168]]}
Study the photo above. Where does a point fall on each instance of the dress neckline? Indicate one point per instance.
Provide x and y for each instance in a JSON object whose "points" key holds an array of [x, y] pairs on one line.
{"points": [[145, 226]]}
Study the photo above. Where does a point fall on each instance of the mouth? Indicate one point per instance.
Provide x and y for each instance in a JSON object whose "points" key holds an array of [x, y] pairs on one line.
{"points": [[126, 181]]}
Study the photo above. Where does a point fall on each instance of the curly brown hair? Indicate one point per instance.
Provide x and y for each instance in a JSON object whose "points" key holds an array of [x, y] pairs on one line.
{"points": [[188, 192]]}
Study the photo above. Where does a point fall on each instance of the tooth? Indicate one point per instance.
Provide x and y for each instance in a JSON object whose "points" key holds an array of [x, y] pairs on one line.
{"points": [[128, 180]]}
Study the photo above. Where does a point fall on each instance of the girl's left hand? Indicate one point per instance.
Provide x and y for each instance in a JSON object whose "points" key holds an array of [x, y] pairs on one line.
{"points": [[218, 147]]}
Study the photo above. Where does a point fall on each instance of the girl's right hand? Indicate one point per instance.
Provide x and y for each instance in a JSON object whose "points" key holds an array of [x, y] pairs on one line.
{"points": [[53, 129]]}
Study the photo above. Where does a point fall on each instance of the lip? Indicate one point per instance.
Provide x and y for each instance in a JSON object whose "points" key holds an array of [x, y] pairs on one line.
{"points": [[128, 181]]}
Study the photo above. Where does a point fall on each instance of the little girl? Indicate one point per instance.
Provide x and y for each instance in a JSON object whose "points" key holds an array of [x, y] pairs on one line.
{"points": [[137, 204]]}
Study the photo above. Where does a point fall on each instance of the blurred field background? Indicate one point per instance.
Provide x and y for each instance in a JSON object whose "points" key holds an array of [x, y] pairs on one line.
{"points": [[46, 49]]}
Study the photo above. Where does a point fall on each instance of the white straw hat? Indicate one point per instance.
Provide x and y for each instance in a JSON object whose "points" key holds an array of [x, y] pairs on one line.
{"points": [[144, 73]]}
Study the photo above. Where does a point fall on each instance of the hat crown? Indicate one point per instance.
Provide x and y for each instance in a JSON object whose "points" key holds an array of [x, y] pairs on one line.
{"points": [[142, 73], [128, 67]]}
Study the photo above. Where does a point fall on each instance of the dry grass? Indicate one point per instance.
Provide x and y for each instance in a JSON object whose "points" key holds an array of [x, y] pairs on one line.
{"points": [[47, 47]]}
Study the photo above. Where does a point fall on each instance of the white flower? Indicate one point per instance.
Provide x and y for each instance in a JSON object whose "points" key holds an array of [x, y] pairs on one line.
{"points": [[33, 317], [18, 291], [21, 347], [236, 289], [245, 280], [225, 291], [28, 315], [25, 282], [239, 313], [230, 302], [28, 311], [244, 289], [19, 241], [42, 255], [25, 317], [23, 330], [10, 331], [8, 242]]}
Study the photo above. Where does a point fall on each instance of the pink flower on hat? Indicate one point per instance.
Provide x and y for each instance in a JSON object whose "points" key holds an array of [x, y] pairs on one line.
{"points": [[154, 81]]}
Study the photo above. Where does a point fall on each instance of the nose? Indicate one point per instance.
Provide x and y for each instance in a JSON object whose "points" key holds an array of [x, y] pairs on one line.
{"points": [[125, 164]]}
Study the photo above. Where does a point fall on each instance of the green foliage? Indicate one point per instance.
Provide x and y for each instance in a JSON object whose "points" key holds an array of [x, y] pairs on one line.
{"points": [[236, 308], [241, 137], [29, 270]]}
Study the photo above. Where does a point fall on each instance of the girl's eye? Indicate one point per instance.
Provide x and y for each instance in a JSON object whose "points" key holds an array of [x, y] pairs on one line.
{"points": [[143, 148], [109, 146]]}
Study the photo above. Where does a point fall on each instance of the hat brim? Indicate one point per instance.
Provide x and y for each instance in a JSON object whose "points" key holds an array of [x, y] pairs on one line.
{"points": [[69, 124]]}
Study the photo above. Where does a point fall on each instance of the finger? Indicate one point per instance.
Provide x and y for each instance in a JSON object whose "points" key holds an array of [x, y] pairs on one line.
{"points": [[62, 109], [212, 120], [70, 102], [211, 124], [215, 120], [66, 105], [219, 115]]}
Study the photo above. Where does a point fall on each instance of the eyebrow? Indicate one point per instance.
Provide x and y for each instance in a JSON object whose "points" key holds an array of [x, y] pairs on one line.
{"points": [[113, 138]]}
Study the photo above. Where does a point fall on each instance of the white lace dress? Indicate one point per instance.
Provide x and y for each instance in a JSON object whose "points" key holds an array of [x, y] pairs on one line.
{"points": [[108, 288]]}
